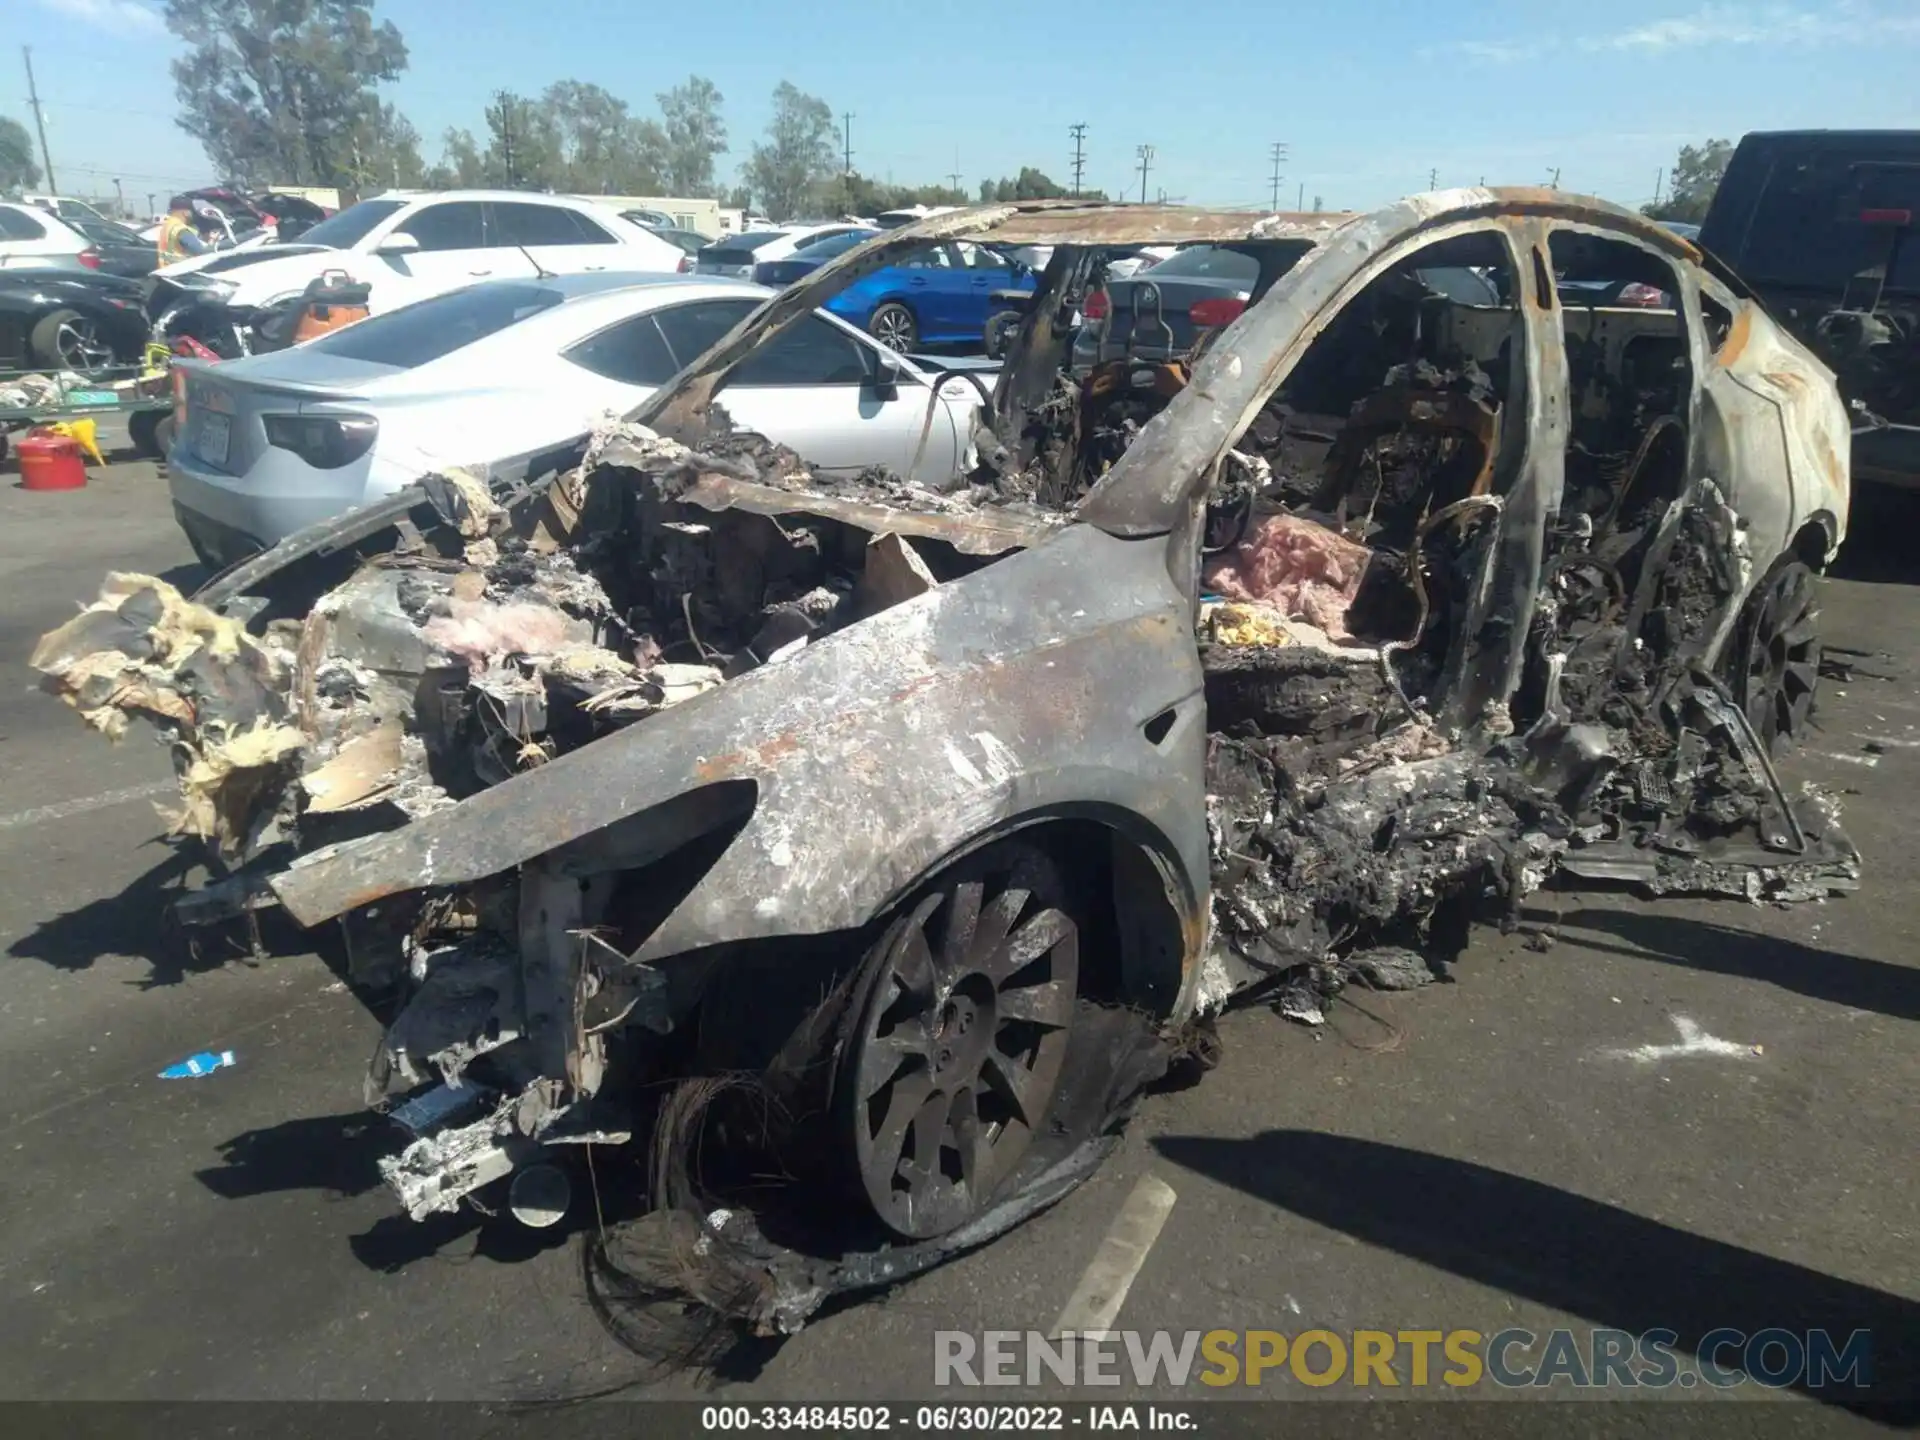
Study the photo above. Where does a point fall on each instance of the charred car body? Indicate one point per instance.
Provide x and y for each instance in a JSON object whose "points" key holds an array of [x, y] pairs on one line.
{"points": [[661, 762]]}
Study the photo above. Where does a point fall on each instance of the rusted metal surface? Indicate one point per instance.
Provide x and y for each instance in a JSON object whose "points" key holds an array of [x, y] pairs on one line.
{"points": [[1152, 225], [974, 531], [1015, 692]]}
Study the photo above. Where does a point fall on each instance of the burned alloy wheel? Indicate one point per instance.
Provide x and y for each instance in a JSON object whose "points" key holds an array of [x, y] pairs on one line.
{"points": [[1779, 656], [968, 998]]}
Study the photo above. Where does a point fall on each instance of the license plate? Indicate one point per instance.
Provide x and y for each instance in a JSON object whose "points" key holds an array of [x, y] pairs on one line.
{"points": [[211, 445]]}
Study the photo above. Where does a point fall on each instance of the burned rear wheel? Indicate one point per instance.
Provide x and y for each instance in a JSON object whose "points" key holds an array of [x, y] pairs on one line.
{"points": [[1778, 658], [968, 997]]}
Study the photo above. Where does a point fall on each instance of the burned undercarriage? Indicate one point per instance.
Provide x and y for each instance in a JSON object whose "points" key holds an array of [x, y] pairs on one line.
{"points": [[901, 838]]}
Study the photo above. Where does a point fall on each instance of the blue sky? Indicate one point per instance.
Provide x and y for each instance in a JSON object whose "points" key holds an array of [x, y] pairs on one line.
{"points": [[1370, 95]]}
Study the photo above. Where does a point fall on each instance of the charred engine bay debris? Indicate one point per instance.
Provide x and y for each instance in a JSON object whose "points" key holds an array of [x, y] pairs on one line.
{"points": [[1425, 694]]}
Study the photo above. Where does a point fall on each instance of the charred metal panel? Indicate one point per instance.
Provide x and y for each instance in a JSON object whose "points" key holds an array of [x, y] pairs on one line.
{"points": [[1020, 690]]}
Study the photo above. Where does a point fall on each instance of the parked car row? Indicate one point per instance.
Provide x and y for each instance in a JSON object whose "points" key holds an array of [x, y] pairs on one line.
{"points": [[407, 246]]}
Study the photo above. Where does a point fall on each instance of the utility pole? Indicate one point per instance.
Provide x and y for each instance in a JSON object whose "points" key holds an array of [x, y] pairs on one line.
{"points": [[1277, 152], [505, 103], [39, 121], [119, 198], [1659, 180], [1556, 177], [846, 155], [1301, 202], [1433, 179], [1145, 152], [1079, 155]]}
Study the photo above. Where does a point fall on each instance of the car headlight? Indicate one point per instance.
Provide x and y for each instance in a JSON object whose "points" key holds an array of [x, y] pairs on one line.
{"points": [[216, 288]]}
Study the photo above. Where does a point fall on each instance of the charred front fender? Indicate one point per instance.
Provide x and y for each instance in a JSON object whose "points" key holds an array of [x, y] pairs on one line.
{"points": [[1061, 681]]}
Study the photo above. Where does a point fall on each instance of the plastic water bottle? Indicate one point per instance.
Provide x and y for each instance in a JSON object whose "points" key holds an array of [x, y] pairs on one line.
{"points": [[194, 1066]]}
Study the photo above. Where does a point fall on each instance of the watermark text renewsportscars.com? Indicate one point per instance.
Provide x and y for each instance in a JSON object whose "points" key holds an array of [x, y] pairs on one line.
{"points": [[1510, 1359]]}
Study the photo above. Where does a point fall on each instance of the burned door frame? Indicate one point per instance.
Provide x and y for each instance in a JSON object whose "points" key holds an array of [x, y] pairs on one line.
{"points": [[1131, 503]]}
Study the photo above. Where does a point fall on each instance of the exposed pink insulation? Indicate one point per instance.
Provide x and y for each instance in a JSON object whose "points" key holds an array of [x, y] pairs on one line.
{"points": [[1303, 569], [480, 631]]}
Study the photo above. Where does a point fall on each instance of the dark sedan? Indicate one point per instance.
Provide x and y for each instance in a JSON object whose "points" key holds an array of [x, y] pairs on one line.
{"points": [[690, 241], [82, 320], [808, 258], [1161, 312], [121, 251]]}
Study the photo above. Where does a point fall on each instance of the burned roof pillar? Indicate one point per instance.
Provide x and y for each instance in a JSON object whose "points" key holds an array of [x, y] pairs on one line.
{"points": [[1040, 350], [1496, 633]]}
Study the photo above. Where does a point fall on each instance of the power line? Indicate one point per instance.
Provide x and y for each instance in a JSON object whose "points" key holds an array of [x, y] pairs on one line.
{"points": [[1079, 155], [1145, 152], [131, 174], [60, 106]]}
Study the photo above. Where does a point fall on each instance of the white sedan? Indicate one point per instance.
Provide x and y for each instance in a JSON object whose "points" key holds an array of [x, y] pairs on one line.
{"points": [[269, 444]]}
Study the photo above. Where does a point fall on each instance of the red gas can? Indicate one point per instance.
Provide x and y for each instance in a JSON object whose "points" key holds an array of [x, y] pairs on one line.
{"points": [[51, 462]]}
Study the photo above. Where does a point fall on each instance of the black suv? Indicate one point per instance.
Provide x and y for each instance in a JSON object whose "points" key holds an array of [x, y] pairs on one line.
{"points": [[1820, 223]]}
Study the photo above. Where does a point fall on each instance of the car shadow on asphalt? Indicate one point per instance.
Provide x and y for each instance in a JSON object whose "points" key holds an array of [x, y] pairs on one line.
{"points": [[337, 1157], [1597, 1261], [1850, 980], [137, 922], [1881, 522]]}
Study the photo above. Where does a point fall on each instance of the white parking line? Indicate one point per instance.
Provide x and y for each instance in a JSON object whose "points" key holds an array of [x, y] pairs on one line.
{"points": [[66, 809], [1102, 1290]]}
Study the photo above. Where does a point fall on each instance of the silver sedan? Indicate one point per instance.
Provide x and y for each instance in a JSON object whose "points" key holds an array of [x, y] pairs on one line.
{"points": [[269, 444]]}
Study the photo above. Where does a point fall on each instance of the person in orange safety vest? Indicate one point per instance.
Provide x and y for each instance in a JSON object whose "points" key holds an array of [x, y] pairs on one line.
{"points": [[178, 238]]}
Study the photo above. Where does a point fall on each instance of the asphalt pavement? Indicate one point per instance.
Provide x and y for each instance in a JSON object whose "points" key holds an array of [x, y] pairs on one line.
{"points": [[1684, 1114]]}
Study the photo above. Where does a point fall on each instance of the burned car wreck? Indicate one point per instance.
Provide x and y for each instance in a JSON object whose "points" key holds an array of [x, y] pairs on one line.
{"points": [[899, 837]]}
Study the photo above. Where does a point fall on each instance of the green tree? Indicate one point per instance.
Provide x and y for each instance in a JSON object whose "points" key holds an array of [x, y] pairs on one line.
{"points": [[695, 136], [604, 148], [524, 146], [1696, 175], [276, 90], [17, 170], [1030, 184], [461, 167], [788, 168], [384, 152]]}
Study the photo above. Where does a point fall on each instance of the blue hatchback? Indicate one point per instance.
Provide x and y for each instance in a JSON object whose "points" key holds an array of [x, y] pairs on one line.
{"points": [[939, 296]]}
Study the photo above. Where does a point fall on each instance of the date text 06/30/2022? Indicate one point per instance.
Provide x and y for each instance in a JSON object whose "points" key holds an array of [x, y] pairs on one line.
{"points": [[941, 1419]]}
